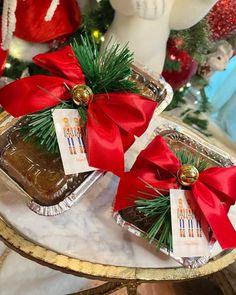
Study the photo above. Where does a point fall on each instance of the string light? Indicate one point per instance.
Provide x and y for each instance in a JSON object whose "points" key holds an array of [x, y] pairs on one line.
{"points": [[96, 34], [7, 65]]}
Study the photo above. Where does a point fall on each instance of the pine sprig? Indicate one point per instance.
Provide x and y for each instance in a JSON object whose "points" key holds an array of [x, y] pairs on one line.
{"points": [[108, 70], [40, 126], [191, 159], [158, 207]]}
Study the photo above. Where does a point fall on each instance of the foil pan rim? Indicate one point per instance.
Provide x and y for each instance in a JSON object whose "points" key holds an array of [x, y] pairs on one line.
{"points": [[187, 262], [69, 201]]}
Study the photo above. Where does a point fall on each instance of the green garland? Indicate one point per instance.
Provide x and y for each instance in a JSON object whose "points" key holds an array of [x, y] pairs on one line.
{"points": [[98, 19], [159, 206], [105, 72], [196, 40]]}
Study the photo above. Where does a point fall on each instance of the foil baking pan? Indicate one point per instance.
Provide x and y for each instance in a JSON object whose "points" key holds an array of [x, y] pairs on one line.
{"points": [[176, 135], [152, 86]]}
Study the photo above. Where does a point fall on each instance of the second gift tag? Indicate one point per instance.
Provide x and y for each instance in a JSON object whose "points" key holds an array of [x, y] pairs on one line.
{"points": [[189, 233]]}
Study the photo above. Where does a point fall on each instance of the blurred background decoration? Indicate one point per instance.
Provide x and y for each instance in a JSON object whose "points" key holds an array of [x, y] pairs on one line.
{"points": [[200, 63]]}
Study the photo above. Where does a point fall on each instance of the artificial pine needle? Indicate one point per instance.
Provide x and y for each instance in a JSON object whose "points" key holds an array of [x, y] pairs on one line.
{"points": [[108, 70], [189, 158]]}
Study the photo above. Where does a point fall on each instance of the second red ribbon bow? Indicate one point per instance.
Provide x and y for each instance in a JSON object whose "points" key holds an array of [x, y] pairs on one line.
{"points": [[214, 191]]}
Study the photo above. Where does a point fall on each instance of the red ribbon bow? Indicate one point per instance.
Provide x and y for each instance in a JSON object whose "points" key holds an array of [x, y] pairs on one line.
{"points": [[214, 191], [114, 119]]}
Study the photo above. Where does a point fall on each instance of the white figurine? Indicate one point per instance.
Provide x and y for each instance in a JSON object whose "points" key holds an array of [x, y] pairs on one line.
{"points": [[145, 25], [218, 60]]}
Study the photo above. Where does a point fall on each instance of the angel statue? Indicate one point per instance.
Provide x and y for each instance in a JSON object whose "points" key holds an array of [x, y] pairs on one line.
{"points": [[145, 25]]}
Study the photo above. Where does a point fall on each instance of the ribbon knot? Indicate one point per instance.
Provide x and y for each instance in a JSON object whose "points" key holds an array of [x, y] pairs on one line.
{"points": [[114, 119], [214, 191]]}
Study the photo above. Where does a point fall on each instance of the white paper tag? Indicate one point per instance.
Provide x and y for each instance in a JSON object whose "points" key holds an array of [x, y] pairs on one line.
{"points": [[68, 130], [188, 232]]}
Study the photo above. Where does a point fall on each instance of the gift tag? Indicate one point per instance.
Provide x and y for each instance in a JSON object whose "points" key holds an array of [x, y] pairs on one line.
{"points": [[188, 232], [69, 136]]}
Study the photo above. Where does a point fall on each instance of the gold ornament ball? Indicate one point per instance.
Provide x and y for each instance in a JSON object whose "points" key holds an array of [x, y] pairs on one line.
{"points": [[81, 95], [187, 175]]}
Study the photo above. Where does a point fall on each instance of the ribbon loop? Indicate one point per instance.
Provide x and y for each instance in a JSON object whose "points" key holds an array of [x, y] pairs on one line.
{"points": [[119, 106], [221, 179], [158, 154], [33, 94], [61, 63]]}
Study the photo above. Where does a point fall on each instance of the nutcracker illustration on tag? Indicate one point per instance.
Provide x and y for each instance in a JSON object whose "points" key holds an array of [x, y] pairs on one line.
{"points": [[68, 128], [181, 218], [187, 230], [78, 133], [68, 133], [199, 228], [190, 218]]}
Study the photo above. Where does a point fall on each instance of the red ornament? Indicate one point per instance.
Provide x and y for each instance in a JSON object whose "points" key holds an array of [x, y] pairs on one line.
{"points": [[31, 25], [222, 19], [187, 67]]}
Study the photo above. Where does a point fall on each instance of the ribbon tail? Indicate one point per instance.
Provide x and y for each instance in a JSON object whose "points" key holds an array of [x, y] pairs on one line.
{"points": [[128, 191], [215, 214], [114, 119], [105, 147], [33, 94]]}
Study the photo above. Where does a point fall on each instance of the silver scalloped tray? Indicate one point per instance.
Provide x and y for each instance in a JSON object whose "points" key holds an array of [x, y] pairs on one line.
{"points": [[174, 133]]}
